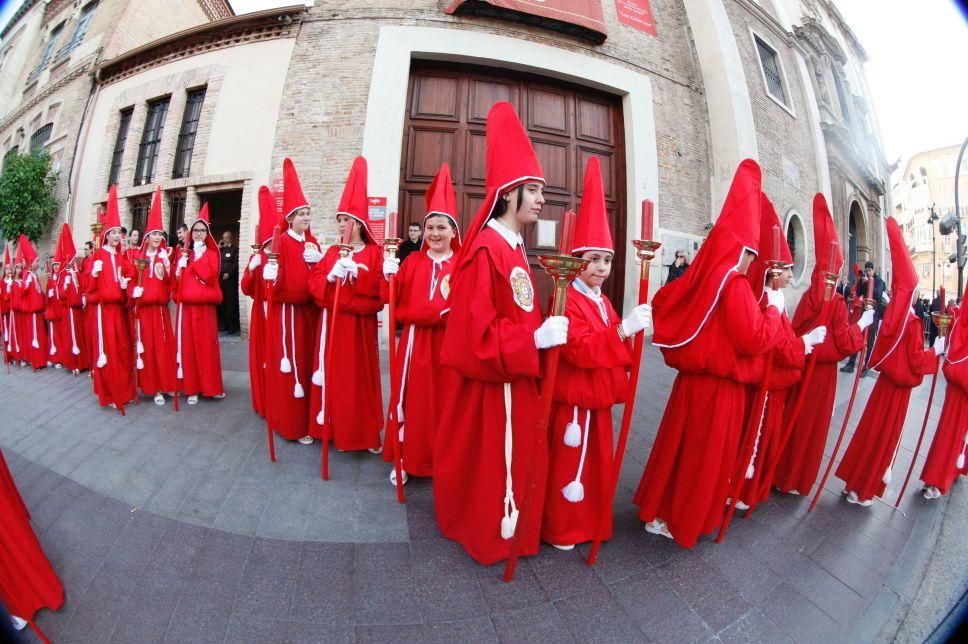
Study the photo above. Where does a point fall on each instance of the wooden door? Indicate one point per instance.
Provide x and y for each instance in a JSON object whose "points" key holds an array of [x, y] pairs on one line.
{"points": [[445, 122]]}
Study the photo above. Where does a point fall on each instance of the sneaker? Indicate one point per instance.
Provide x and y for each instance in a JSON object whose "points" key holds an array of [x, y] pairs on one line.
{"points": [[112, 406], [159, 399], [18, 623], [77, 372], [306, 440], [795, 492], [393, 477], [565, 547], [853, 498], [219, 396], [376, 450], [193, 399], [742, 506], [58, 366], [659, 527], [931, 492]]}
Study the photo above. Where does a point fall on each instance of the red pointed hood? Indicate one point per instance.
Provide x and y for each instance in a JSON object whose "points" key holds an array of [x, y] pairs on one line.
{"points": [[6, 254], [957, 337], [268, 216], [209, 239], [292, 192], [903, 284], [511, 161], [66, 251], [681, 308], [756, 273], [25, 252], [112, 216], [591, 229], [353, 203], [442, 200], [154, 222], [807, 315]]}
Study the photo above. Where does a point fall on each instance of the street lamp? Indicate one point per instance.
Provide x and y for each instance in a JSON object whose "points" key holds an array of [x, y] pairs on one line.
{"points": [[934, 251]]}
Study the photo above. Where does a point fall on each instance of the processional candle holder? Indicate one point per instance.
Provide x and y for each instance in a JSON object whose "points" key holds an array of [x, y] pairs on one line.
{"points": [[563, 269], [140, 264]]}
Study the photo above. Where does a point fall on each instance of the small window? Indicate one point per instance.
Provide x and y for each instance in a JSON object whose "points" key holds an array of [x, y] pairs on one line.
{"points": [[186, 137], [796, 240], [139, 213], [770, 62], [48, 50], [80, 29], [151, 141], [118, 155], [176, 214], [39, 138]]}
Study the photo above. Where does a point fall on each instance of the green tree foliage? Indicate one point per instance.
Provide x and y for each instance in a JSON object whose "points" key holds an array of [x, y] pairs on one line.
{"points": [[27, 201]]}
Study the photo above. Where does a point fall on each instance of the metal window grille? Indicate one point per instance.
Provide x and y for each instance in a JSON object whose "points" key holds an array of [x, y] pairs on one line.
{"points": [[80, 29], [151, 141], [118, 155], [186, 137], [176, 214], [39, 138], [771, 70], [792, 241], [45, 57], [139, 213]]}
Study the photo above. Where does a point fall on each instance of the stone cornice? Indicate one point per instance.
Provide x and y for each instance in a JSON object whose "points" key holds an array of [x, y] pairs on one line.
{"points": [[80, 69], [772, 24], [216, 9], [17, 15]]}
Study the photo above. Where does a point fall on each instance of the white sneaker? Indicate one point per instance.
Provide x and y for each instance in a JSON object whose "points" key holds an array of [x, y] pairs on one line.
{"points": [[393, 477], [18, 623], [565, 547], [219, 396], [376, 450], [795, 492], [659, 527], [159, 399], [853, 498], [193, 400], [742, 506], [58, 366], [306, 440], [931, 492]]}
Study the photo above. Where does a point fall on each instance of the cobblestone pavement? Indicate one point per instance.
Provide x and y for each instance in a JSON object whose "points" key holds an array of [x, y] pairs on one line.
{"points": [[176, 527]]}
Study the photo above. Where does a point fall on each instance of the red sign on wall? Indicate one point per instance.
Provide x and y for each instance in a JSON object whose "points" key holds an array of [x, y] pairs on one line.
{"points": [[581, 18], [636, 13]]}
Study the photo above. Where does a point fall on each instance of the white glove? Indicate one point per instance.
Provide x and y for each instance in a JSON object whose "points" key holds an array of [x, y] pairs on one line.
{"points": [[338, 272], [885, 298], [124, 282], [312, 256], [8, 281], [352, 268], [182, 263], [271, 271], [775, 298], [939, 345], [390, 267], [83, 301], [638, 320], [137, 292], [67, 281], [552, 332], [866, 320], [50, 292], [164, 259], [813, 337], [255, 262], [96, 269]]}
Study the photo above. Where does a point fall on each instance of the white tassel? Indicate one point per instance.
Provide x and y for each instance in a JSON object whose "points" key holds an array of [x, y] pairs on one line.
{"points": [[140, 363], [318, 378], [76, 350], [297, 391], [960, 463], [509, 524], [574, 492], [751, 469], [573, 430], [103, 360], [181, 374], [886, 479], [34, 344], [285, 366], [53, 350], [141, 347], [321, 418]]}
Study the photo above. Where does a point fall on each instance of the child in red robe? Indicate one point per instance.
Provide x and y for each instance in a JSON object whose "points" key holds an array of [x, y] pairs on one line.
{"points": [[592, 377], [485, 440], [423, 290], [73, 301], [6, 310], [32, 303], [54, 317], [291, 317], [109, 275], [946, 458], [797, 469], [154, 335], [196, 329], [354, 405], [902, 361], [705, 322]]}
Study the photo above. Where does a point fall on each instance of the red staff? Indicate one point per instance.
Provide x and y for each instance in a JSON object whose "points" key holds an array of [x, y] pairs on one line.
{"points": [[753, 427], [563, 269], [272, 257], [942, 320], [645, 252], [345, 248], [391, 244], [868, 305]]}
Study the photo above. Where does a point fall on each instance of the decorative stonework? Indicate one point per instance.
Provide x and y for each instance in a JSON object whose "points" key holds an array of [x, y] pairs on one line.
{"points": [[216, 9]]}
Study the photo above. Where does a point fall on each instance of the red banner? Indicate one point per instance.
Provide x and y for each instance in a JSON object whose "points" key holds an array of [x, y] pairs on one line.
{"points": [[582, 18], [636, 13]]}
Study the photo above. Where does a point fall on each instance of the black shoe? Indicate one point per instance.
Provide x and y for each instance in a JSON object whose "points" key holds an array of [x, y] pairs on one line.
{"points": [[847, 369]]}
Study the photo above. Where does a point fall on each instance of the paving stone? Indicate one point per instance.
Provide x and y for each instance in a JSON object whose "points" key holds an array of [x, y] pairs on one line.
{"points": [[383, 591], [269, 579], [540, 623], [753, 627], [475, 630], [798, 617], [597, 616], [324, 584]]}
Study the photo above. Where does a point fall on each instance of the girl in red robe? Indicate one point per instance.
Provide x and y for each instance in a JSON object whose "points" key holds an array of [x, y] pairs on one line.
{"points": [[349, 342], [109, 275], [254, 286], [77, 355], [291, 316], [484, 451], [899, 356], [946, 458], [423, 290], [54, 317], [32, 303], [10, 344], [797, 469], [705, 322], [196, 333], [591, 379], [154, 335]]}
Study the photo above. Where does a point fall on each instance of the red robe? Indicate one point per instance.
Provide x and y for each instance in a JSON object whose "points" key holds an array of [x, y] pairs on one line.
{"points": [[686, 480], [11, 343], [798, 467], [109, 331], [423, 289], [940, 468], [27, 581], [489, 343], [153, 329], [196, 327], [76, 351], [290, 329], [254, 286], [875, 441], [591, 378], [58, 333], [33, 339], [357, 397]]}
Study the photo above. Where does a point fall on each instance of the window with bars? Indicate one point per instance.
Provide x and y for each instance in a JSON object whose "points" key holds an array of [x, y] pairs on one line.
{"points": [[80, 29], [186, 137], [118, 155], [48, 50], [139, 213], [176, 214], [770, 62], [39, 138], [151, 141]]}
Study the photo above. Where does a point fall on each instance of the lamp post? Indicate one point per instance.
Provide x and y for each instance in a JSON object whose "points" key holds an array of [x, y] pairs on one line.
{"points": [[960, 244], [934, 251]]}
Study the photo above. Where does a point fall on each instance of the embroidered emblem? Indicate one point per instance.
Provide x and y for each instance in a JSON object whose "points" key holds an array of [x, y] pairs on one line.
{"points": [[309, 246], [160, 271], [522, 289], [445, 287]]}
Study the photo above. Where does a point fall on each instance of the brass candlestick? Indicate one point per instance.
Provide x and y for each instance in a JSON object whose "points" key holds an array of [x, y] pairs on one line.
{"points": [[563, 269], [140, 264], [942, 321], [830, 281], [96, 228], [391, 245], [645, 253], [775, 268]]}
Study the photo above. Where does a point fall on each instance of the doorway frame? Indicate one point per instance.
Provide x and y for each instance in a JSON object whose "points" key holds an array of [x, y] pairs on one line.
{"points": [[398, 46]]}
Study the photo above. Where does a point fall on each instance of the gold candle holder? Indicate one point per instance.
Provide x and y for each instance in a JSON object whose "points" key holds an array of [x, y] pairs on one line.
{"points": [[563, 269], [830, 281], [96, 228], [140, 264], [345, 250], [645, 253], [391, 245], [942, 321]]}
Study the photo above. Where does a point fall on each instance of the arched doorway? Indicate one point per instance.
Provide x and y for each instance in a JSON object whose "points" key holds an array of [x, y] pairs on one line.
{"points": [[857, 233]]}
